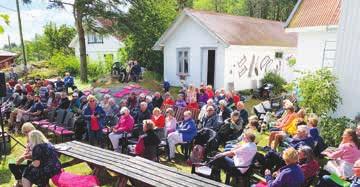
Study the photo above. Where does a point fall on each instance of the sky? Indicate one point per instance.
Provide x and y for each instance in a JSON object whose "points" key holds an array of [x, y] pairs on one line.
{"points": [[34, 17]]}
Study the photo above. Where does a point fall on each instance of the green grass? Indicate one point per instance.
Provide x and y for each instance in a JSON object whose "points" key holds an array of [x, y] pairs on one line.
{"points": [[152, 82]]}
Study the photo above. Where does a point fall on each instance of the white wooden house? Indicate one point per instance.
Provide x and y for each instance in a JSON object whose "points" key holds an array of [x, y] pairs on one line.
{"points": [[99, 47], [316, 23], [223, 50], [347, 66]]}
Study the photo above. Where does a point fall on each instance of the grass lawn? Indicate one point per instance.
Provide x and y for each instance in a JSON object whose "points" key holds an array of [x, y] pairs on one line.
{"points": [[6, 178]]}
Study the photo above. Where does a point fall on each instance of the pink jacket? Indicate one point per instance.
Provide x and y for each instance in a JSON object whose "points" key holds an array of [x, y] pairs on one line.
{"points": [[125, 124], [347, 152]]}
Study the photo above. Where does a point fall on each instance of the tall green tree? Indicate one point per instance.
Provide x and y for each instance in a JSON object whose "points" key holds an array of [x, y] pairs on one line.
{"points": [[144, 23], [59, 38], [266, 9]]}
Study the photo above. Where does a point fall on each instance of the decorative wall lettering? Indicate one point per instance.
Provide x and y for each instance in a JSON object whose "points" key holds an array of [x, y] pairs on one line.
{"points": [[257, 66]]}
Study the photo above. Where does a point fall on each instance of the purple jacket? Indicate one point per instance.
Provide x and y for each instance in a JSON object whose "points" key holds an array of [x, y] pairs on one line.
{"points": [[203, 98], [289, 176], [180, 103]]}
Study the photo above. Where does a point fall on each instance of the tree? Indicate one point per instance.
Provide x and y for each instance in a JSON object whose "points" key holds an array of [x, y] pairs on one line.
{"points": [[6, 19], [317, 91], [266, 9], [143, 25], [58, 38]]}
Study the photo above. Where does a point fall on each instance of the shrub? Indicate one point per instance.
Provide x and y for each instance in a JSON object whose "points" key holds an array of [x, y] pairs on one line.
{"points": [[43, 73], [317, 91], [65, 63], [332, 128], [95, 70], [276, 80]]}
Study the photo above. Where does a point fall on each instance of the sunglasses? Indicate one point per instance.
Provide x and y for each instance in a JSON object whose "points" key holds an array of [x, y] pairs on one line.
{"points": [[92, 101]]}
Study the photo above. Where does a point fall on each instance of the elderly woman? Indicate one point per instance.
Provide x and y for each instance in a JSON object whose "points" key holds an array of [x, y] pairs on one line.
{"points": [[180, 101], [289, 175], [170, 121], [307, 162], [125, 124], [224, 111], [168, 100], [105, 103], [159, 121], [185, 132], [190, 93], [301, 138], [94, 116], [277, 130], [344, 157], [45, 163], [18, 168], [244, 115], [147, 144], [148, 100], [203, 97], [193, 104]]}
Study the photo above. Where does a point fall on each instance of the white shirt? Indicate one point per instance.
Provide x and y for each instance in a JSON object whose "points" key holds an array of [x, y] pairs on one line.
{"points": [[244, 155]]}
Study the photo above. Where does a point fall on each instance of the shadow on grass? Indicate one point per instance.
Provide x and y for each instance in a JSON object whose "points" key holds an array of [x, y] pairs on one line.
{"points": [[5, 173]]}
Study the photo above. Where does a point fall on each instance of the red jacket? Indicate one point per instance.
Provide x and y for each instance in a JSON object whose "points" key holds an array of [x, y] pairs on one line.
{"points": [[193, 106], [159, 122], [310, 169], [236, 98], [169, 102], [210, 93]]}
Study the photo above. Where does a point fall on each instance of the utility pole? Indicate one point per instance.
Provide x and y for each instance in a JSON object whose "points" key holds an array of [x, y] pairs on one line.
{"points": [[21, 35], [9, 42]]}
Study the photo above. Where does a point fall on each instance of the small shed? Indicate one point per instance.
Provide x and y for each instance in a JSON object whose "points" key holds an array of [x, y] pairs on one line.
{"points": [[226, 51], [7, 59]]}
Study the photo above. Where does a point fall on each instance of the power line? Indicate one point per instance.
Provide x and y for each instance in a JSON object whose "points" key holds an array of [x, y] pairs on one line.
{"points": [[7, 8]]}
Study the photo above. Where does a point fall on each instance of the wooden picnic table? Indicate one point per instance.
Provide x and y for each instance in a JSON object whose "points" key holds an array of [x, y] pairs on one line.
{"points": [[140, 171]]}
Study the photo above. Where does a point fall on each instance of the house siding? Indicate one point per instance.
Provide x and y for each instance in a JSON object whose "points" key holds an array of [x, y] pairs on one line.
{"points": [[190, 34], [242, 63], [347, 66], [96, 51]]}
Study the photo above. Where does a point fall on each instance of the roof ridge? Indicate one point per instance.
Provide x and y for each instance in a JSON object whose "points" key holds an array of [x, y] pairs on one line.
{"points": [[229, 15]]}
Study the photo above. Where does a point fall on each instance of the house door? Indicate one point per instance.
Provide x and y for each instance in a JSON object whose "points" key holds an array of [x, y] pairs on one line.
{"points": [[210, 67]]}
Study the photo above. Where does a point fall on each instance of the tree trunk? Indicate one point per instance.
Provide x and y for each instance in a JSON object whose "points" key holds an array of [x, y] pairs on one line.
{"points": [[82, 47]]}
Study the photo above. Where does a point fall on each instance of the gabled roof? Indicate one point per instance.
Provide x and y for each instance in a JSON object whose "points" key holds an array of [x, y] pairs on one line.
{"points": [[236, 30], [313, 13]]}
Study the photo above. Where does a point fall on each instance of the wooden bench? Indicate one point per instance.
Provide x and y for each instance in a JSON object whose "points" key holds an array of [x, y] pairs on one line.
{"points": [[137, 170]]}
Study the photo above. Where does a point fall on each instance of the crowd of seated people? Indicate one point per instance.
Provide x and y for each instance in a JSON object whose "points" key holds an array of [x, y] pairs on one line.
{"points": [[293, 144]]}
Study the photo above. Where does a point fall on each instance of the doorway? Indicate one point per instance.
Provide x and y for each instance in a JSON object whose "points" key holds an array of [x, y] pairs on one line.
{"points": [[210, 67]]}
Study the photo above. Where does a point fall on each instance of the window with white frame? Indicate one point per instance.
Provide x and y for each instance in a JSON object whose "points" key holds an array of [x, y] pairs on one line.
{"points": [[183, 60], [94, 38]]}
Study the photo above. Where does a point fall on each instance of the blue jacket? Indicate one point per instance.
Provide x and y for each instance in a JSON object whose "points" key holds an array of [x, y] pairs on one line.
{"points": [[69, 81], [289, 176], [99, 110], [297, 143], [187, 129]]}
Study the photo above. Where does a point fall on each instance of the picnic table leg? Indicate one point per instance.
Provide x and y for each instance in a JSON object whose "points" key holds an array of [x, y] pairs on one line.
{"points": [[101, 173], [122, 181]]}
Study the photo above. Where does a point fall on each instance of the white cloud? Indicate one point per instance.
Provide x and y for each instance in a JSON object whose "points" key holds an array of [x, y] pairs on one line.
{"points": [[33, 21]]}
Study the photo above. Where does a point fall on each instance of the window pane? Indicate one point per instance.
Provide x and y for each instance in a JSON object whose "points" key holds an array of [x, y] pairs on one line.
{"points": [[186, 66], [180, 61]]}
